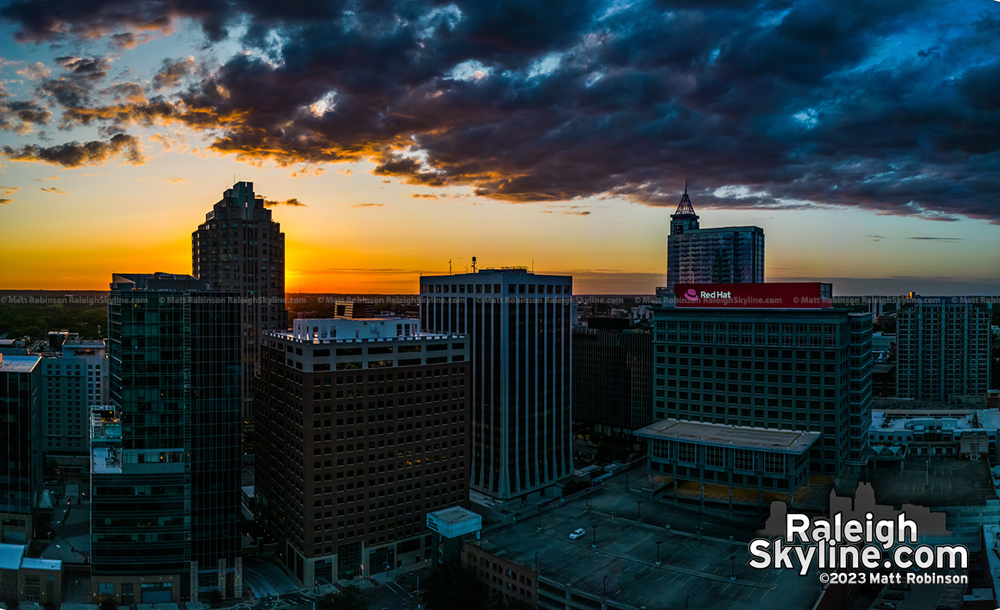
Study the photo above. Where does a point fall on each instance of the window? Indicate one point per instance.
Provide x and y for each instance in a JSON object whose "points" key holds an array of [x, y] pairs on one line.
{"points": [[743, 459]]}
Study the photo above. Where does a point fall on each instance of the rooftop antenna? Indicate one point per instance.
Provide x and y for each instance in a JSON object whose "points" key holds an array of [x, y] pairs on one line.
{"points": [[532, 265], [473, 264], [449, 266]]}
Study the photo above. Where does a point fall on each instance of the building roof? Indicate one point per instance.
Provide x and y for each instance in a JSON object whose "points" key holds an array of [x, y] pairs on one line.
{"points": [[684, 208], [455, 514], [740, 437], [10, 556], [18, 364], [35, 563], [951, 419]]}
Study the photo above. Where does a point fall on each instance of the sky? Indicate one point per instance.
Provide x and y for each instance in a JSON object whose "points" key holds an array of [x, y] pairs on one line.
{"points": [[403, 137]]}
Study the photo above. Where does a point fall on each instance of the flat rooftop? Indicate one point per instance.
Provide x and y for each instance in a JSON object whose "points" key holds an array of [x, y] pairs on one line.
{"points": [[966, 419], [455, 514], [694, 572], [18, 364], [740, 437], [935, 482]]}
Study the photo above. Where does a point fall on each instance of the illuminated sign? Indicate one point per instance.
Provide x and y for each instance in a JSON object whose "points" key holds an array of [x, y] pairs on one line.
{"points": [[777, 295]]}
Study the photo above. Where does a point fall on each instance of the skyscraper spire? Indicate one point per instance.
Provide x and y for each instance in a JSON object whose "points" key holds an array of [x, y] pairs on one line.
{"points": [[684, 208]]}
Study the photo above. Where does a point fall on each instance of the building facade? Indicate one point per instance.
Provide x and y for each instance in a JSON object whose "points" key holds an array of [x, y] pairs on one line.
{"points": [[519, 331], [613, 379], [365, 426], [21, 447], [942, 348], [165, 494], [723, 255], [73, 381], [777, 368], [240, 249]]}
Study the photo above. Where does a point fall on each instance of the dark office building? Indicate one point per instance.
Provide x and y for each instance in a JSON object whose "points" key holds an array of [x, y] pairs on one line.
{"points": [[240, 249], [518, 325], [165, 499], [942, 348], [21, 447], [612, 379], [365, 426], [776, 367]]}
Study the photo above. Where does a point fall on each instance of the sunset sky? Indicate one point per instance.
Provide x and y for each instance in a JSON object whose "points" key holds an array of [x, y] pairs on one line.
{"points": [[862, 135]]}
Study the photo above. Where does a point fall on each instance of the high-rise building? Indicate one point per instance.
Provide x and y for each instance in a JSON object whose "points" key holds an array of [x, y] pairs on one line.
{"points": [[240, 249], [942, 348], [763, 358], [73, 381], [612, 378], [165, 497], [723, 255], [518, 325], [21, 447], [365, 426]]}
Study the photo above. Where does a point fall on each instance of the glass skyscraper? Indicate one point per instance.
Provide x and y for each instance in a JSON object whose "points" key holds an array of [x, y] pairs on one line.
{"points": [[721, 255], [165, 503], [518, 324]]}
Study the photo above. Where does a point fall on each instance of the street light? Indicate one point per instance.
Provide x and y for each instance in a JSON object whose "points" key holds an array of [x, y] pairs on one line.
{"points": [[539, 519], [686, 600], [605, 585], [594, 546], [638, 511], [732, 558], [658, 543]]}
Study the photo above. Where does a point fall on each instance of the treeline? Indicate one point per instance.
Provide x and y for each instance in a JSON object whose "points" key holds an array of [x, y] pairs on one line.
{"points": [[36, 320]]}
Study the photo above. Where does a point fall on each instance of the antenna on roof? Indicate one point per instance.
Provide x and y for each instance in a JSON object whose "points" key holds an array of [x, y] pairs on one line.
{"points": [[449, 266], [473, 264]]}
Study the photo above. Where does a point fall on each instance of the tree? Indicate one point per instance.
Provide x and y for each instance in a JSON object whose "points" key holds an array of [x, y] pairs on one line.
{"points": [[214, 598], [107, 603], [452, 587], [351, 598]]}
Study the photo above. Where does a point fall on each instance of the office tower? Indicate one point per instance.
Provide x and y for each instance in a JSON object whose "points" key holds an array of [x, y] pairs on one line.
{"points": [[21, 447], [723, 255], [364, 423], [73, 381], [612, 377], [942, 348], [773, 357], [518, 325], [240, 249], [165, 503]]}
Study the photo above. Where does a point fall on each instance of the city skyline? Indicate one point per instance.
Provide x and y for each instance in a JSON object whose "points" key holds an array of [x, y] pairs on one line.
{"points": [[862, 139]]}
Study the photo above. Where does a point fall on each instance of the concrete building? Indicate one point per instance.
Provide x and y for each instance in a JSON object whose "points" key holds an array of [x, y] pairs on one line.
{"points": [[365, 426], [723, 255], [769, 356], [518, 324], [30, 579], [612, 379], [943, 348], [73, 381], [967, 434], [21, 447], [165, 469], [240, 249]]}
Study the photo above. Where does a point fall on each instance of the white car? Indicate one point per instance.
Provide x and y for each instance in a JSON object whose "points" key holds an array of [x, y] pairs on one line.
{"points": [[577, 534]]}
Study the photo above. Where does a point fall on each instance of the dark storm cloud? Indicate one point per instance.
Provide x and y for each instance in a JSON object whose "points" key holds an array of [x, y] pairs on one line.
{"points": [[76, 154], [877, 104]]}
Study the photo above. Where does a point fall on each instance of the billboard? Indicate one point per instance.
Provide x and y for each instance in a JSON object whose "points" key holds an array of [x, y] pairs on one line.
{"points": [[774, 295]]}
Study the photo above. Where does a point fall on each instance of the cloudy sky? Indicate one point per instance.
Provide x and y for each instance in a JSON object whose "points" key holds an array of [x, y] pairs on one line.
{"points": [[862, 135]]}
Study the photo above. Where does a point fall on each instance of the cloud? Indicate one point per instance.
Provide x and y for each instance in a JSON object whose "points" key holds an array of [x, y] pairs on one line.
{"points": [[367, 205], [76, 154], [4, 192], [171, 72], [55, 190], [424, 196], [572, 213], [292, 202], [35, 71], [762, 104], [938, 238], [175, 179]]}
